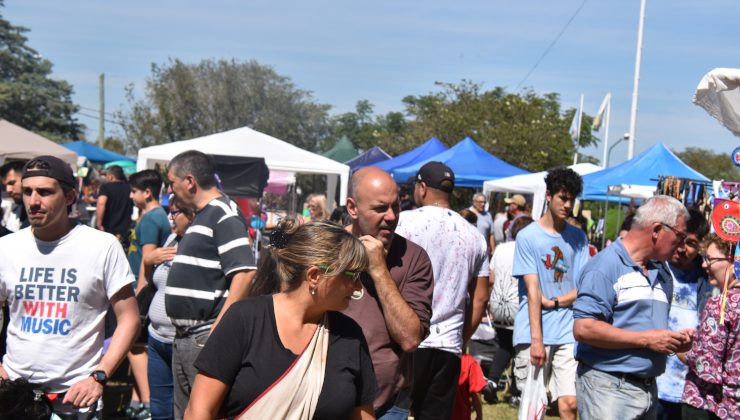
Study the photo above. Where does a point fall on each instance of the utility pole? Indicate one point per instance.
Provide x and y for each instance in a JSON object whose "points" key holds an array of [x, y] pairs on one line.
{"points": [[638, 60], [101, 105]]}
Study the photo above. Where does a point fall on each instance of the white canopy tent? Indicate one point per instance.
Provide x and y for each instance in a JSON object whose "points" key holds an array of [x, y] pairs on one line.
{"points": [[532, 184], [278, 155]]}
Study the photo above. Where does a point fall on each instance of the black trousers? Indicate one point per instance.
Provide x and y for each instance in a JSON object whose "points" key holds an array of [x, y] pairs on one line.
{"points": [[436, 374]]}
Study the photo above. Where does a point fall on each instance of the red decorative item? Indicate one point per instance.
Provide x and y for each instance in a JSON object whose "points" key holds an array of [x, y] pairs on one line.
{"points": [[726, 219]]}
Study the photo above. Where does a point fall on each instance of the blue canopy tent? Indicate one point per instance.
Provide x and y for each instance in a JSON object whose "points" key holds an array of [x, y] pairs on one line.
{"points": [[641, 171], [471, 164], [430, 148], [94, 153], [369, 157]]}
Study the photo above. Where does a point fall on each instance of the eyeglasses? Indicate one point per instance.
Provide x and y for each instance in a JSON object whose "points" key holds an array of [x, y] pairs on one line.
{"points": [[680, 235], [355, 275], [174, 213], [711, 260]]}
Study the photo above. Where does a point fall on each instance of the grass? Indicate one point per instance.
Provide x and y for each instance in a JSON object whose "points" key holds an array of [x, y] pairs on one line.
{"points": [[503, 411]]}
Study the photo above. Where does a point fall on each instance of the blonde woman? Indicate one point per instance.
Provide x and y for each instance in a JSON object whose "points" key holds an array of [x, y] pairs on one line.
{"points": [[317, 207], [292, 354]]}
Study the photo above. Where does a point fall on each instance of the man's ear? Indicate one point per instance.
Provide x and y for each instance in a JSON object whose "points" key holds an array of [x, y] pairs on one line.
{"points": [[70, 197], [352, 208], [190, 182], [148, 195]]}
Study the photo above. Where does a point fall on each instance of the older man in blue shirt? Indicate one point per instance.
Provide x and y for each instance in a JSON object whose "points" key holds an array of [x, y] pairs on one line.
{"points": [[621, 316]]}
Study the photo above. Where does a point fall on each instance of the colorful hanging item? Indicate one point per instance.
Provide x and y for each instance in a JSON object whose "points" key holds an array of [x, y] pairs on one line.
{"points": [[726, 219]]}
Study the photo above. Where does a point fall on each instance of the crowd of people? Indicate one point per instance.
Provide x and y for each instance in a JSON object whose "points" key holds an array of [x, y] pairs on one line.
{"points": [[367, 312]]}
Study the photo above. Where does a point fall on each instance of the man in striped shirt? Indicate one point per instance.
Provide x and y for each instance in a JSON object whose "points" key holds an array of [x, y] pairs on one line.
{"points": [[213, 267]]}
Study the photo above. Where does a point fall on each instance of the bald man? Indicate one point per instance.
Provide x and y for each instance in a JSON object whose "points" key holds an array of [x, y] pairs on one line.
{"points": [[395, 305]]}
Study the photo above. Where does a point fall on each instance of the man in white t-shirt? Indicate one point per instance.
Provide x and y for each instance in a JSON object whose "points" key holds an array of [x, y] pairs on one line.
{"points": [[59, 279], [459, 256]]}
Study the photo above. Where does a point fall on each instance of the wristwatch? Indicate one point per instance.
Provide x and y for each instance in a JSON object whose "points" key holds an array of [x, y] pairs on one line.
{"points": [[557, 303], [100, 377]]}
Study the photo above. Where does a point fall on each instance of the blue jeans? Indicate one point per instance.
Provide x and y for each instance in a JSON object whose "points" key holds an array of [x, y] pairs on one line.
{"points": [[159, 373], [605, 396], [394, 413]]}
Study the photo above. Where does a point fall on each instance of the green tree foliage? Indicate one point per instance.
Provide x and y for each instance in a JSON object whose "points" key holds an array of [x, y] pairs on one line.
{"points": [[114, 144], [28, 96], [712, 165], [184, 101], [527, 129]]}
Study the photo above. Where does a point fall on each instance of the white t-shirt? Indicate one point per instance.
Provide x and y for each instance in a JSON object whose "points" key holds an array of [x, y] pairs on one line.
{"points": [[58, 294], [504, 301], [459, 254]]}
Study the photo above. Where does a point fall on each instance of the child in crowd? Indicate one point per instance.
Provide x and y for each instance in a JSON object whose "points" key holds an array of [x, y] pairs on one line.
{"points": [[471, 382]]}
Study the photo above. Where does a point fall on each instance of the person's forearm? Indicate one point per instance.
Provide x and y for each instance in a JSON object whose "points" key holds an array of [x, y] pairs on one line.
{"points": [[402, 322], [99, 213], [239, 290], [534, 307], [567, 299], [606, 336], [478, 291], [127, 327]]}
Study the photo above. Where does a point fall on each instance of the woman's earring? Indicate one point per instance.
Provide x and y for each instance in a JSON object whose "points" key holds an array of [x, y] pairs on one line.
{"points": [[313, 292]]}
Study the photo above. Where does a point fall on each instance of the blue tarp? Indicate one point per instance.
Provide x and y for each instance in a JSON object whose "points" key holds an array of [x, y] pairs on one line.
{"points": [[471, 164], [94, 153], [369, 157], [430, 148], [644, 170]]}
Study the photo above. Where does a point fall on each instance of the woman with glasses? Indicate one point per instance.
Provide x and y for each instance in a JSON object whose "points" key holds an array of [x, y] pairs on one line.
{"points": [[161, 330], [712, 389], [292, 354]]}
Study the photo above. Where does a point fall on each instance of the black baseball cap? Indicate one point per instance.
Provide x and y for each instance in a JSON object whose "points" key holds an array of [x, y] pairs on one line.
{"points": [[51, 167], [434, 174]]}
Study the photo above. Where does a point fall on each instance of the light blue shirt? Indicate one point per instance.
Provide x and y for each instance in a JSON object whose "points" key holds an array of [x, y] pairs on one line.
{"points": [[614, 289], [683, 314], [557, 260]]}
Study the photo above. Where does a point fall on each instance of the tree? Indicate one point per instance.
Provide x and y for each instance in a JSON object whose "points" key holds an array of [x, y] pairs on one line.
{"points": [[184, 101], [712, 165], [527, 129], [28, 96]]}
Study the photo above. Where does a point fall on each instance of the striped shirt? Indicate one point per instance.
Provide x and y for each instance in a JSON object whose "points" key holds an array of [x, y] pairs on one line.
{"points": [[612, 288], [213, 249]]}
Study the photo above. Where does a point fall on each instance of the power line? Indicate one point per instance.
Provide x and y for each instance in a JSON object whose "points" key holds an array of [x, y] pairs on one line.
{"points": [[552, 44], [97, 117], [97, 110]]}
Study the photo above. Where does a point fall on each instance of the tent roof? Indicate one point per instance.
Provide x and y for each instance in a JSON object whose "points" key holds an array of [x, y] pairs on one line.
{"points": [[18, 143], [471, 164], [534, 184], [279, 155], [530, 183], [342, 151], [369, 157], [430, 148], [94, 153], [643, 170]]}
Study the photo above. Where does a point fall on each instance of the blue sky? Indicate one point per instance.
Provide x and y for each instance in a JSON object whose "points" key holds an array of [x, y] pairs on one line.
{"points": [[344, 51]]}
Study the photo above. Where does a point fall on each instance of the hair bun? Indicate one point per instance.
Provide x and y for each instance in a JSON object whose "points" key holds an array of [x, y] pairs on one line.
{"points": [[278, 238]]}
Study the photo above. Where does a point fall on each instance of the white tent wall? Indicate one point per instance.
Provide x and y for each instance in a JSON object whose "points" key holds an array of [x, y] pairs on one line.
{"points": [[532, 184], [279, 156]]}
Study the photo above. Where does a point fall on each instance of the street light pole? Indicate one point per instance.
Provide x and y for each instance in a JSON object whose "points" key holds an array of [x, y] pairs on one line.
{"points": [[625, 137]]}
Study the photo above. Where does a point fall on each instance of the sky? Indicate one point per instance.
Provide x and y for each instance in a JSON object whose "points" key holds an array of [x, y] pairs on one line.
{"points": [[382, 51]]}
